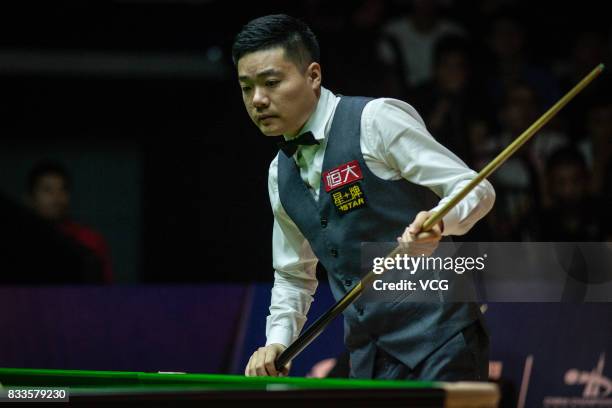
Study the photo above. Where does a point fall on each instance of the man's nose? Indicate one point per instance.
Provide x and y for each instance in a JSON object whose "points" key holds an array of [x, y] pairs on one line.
{"points": [[260, 98]]}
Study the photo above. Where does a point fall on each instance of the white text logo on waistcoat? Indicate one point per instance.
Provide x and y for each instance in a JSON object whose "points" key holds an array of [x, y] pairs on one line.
{"points": [[342, 175]]}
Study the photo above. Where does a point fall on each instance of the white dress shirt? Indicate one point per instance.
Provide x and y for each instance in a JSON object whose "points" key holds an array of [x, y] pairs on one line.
{"points": [[395, 144]]}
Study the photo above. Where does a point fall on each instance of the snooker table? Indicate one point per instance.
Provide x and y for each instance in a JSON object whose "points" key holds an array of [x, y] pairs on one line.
{"points": [[117, 388]]}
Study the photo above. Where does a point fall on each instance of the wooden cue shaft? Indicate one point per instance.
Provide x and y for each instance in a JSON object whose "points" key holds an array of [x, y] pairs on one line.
{"points": [[319, 325]]}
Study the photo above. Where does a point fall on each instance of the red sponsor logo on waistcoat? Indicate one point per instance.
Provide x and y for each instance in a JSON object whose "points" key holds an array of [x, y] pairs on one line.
{"points": [[342, 175]]}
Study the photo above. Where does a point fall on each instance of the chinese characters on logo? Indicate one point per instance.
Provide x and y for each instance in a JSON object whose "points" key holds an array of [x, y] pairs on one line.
{"points": [[348, 198], [342, 175]]}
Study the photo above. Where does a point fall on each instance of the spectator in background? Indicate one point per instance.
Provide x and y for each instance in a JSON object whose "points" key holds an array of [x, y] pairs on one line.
{"points": [[357, 68], [49, 196], [597, 147], [574, 215], [588, 50], [412, 39], [597, 150], [521, 179], [451, 100], [511, 64]]}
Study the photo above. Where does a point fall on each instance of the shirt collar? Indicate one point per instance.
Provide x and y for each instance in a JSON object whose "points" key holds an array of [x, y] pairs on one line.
{"points": [[320, 117]]}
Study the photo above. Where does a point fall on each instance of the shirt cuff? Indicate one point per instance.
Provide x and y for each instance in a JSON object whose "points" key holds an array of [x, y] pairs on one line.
{"points": [[451, 221], [279, 334]]}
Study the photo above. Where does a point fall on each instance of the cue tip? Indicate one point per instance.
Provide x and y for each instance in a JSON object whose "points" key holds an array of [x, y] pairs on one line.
{"points": [[601, 67]]}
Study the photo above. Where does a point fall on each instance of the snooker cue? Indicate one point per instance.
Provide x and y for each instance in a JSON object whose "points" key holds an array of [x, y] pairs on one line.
{"points": [[319, 325]]}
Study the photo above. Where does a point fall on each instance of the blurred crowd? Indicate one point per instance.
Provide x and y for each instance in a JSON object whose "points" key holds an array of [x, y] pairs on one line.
{"points": [[480, 75]]}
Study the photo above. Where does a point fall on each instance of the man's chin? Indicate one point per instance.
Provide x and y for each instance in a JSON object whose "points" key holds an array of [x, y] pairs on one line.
{"points": [[270, 132]]}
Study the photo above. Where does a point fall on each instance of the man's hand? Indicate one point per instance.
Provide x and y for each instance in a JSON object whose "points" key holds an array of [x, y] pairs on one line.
{"points": [[262, 361], [417, 243]]}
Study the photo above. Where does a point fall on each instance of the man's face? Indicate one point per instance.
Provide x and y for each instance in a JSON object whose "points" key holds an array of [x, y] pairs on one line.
{"points": [[50, 197], [568, 183], [452, 72], [278, 96], [520, 110]]}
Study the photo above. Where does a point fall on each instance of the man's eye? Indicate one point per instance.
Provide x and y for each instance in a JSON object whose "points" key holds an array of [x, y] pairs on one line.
{"points": [[246, 88], [272, 83]]}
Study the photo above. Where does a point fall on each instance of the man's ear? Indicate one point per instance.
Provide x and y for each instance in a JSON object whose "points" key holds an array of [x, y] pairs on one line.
{"points": [[313, 73]]}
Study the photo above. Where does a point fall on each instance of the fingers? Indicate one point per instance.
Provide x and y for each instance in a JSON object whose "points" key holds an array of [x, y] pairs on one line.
{"points": [[262, 363], [429, 236], [268, 363], [422, 237], [414, 231], [419, 248], [260, 359], [254, 367], [417, 242], [416, 225], [249, 371], [285, 371]]}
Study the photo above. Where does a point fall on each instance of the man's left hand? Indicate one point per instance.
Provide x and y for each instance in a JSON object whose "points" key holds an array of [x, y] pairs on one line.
{"points": [[416, 242]]}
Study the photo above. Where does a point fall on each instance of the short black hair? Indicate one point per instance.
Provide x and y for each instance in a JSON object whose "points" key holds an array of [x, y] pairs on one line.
{"points": [[278, 30], [44, 168], [449, 44]]}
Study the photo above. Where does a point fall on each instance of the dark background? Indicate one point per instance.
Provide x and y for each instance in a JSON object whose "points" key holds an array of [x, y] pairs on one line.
{"points": [[138, 99]]}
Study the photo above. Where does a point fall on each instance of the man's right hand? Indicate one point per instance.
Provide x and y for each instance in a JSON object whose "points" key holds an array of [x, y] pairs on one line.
{"points": [[262, 361]]}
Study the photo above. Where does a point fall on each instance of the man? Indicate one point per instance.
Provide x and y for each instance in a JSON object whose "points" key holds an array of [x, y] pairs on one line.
{"points": [[49, 197], [389, 165], [573, 215]]}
